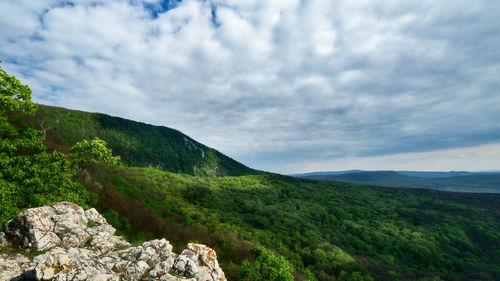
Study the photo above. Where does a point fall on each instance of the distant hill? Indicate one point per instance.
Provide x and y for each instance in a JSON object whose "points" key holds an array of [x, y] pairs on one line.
{"points": [[325, 230], [138, 144], [449, 181], [445, 174], [325, 173], [436, 174], [423, 174]]}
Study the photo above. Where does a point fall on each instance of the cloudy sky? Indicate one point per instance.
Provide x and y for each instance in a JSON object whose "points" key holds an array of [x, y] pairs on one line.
{"points": [[280, 85]]}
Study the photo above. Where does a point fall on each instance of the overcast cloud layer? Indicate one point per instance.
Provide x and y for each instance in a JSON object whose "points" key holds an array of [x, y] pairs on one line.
{"points": [[287, 86]]}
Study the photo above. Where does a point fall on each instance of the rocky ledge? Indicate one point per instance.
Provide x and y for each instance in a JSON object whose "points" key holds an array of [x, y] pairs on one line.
{"points": [[74, 244]]}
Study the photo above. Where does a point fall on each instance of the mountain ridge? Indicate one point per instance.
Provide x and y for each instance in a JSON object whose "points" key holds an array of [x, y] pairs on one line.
{"points": [[448, 181], [326, 230], [138, 144], [425, 174]]}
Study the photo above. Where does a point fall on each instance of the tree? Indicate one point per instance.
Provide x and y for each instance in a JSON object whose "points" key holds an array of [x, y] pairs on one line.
{"points": [[14, 96], [87, 152], [266, 267], [28, 176]]}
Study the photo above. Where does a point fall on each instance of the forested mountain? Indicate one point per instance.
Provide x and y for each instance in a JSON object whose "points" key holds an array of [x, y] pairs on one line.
{"points": [[324, 230], [327, 231], [458, 181], [423, 174], [137, 144]]}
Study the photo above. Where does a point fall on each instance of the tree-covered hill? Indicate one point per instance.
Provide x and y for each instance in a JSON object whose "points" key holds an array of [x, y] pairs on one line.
{"points": [[322, 230], [487, 182], [327, 231], [137, 144]]}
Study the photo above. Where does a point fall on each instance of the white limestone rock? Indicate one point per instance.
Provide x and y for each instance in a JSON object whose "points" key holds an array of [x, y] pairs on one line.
{"points": [[64, 224], [12, 265], [94, 216], [169, 277], [33, 228], [162, 268], [151, 252], [81, 245], [71, 264], [199, 261], [135, 271]]}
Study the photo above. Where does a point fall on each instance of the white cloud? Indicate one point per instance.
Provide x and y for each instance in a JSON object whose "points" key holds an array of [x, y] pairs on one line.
{"points": [[271, 82]]}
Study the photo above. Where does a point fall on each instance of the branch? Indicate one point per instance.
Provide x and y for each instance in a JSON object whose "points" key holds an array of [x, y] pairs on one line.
{"points": [[44, 136]]}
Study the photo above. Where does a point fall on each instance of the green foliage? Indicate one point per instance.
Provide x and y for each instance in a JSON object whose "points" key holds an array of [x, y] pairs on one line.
{"points": [[91, 223], [92, 151], [323, 231], [354, 276], [29, 176], [14, 96], [137, 144], [266, 267], [321, 228], [122, 225]]}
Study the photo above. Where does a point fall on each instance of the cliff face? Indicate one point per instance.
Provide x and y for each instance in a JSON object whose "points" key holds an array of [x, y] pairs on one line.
{"points": [[81, 245]]}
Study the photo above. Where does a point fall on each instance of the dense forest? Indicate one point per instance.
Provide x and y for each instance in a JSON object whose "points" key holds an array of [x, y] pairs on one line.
{"points": [[327, 231], [137, 144], [263, 226]]}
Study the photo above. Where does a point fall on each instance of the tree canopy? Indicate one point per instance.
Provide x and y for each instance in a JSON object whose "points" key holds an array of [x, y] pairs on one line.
{"points": [[266, 267], [14, 95], [29, 177]]}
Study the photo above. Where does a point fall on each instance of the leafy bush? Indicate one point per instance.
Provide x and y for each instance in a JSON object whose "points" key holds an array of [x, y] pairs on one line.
{"points": [[29, 175], [266, 267]]}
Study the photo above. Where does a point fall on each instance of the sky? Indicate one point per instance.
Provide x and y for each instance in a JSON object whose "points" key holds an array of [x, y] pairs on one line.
{"points": [[285, 86]]}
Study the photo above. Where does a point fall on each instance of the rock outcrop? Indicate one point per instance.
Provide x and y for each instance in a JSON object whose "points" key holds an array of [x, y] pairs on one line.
{"points": [[11, 265], [81, 245]]}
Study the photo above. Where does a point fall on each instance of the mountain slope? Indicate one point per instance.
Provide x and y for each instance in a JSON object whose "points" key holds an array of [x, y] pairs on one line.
{"points": [[322, 228], [327, 231], [137, 144], [467, 183]]}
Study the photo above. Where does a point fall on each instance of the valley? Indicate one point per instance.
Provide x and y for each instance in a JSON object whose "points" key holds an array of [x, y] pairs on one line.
{"points": [[484, 182], [325, 230]]}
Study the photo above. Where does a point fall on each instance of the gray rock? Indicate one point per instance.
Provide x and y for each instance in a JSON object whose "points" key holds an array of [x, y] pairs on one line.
{"points": [[3, 240], [169, 277], [94, 216], [11, 266], [135, 271], [151, 252], [71, 264], [81, 245], [64, 224], [162, 268], [199, 261], [33, 228]]}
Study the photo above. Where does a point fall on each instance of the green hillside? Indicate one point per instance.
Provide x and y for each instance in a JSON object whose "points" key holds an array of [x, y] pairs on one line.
{"points": [[137, 144], [328, 231], [467, 183]]}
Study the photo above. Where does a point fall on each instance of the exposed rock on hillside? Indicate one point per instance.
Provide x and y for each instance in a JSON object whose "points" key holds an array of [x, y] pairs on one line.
{"points": [[81, 245]]}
